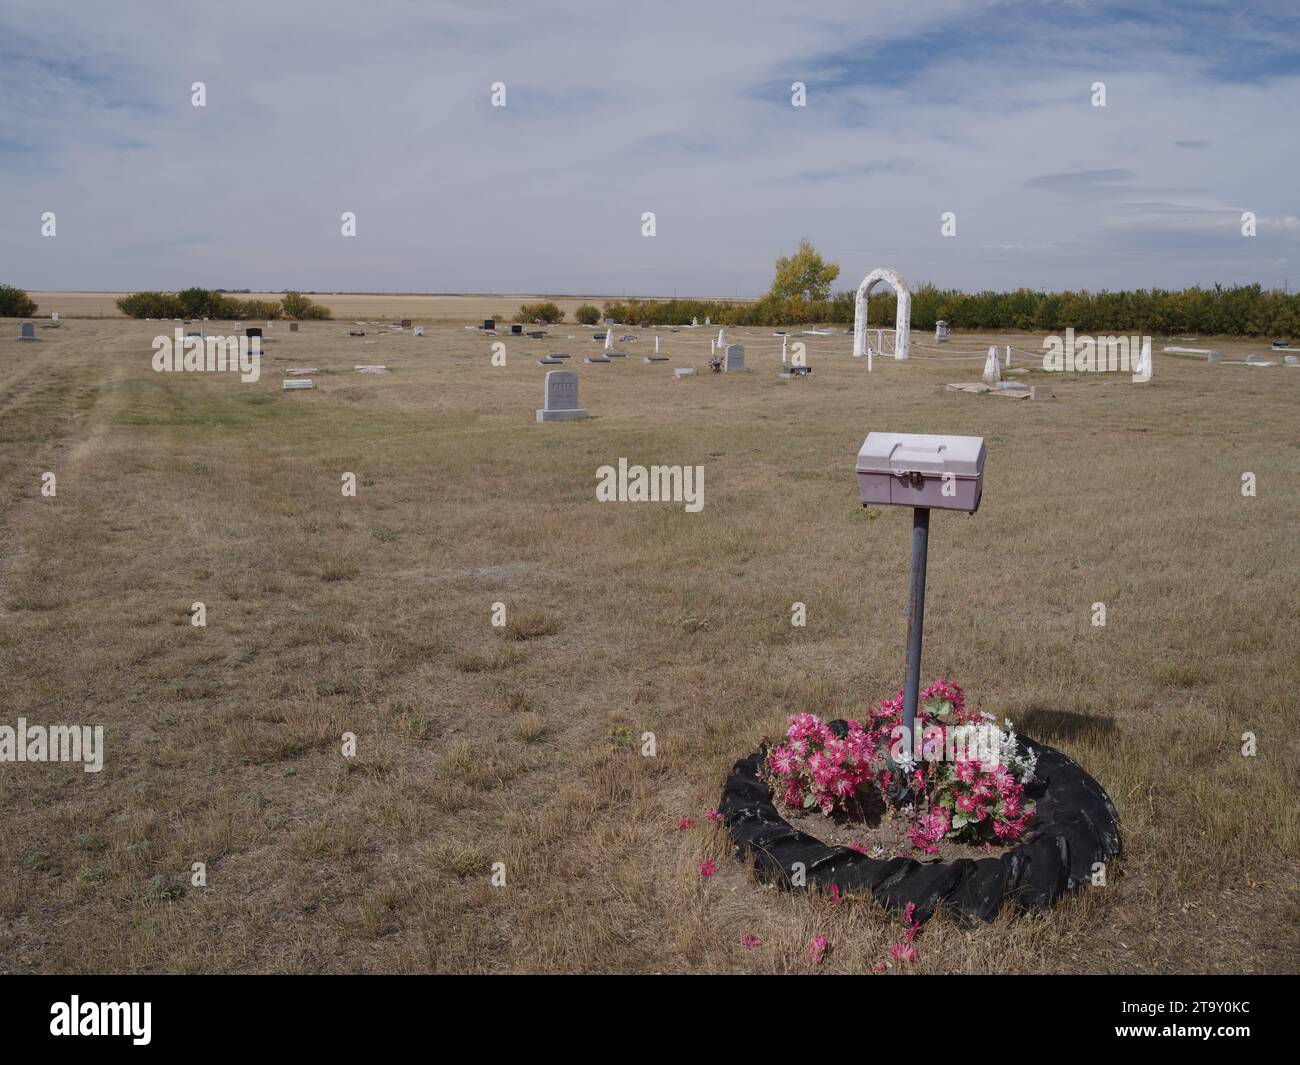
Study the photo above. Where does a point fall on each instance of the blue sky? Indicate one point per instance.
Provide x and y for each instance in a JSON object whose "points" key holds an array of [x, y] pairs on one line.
{"points": [[976, 107]]}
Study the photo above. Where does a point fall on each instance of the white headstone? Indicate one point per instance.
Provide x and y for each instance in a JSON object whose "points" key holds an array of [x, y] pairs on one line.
{"points": [[735, 358], [419, 330], [298, 383], [1144, 360], [683, 371], [992, 374], [1291, 360], [54, 317], [560, 403]]}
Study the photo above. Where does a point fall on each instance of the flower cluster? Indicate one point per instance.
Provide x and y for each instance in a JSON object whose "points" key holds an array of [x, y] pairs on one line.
{"points": [[967, 773], [816, 768]]}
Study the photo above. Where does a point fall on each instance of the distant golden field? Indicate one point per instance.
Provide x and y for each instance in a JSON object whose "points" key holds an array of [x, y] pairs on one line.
{"points": [[477, 745]]}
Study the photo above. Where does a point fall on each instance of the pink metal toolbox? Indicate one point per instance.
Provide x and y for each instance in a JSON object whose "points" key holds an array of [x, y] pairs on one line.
{"points": [[918, 470]]}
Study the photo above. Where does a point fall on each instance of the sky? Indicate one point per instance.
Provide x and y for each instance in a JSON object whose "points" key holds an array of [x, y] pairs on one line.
{"points": [[980, 108]]}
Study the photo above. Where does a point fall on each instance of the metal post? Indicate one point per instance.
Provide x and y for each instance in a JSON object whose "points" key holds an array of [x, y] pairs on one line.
{"points": [[915, 618]]}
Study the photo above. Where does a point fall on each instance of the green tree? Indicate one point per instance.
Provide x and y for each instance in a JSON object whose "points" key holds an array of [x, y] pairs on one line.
{"points": [[587, 314], [15, 303], [546, 313], [804, 275], [296, 305]]}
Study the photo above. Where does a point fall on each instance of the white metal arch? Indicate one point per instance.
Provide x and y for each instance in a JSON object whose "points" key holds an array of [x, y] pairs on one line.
{"points": [[903, 321]]}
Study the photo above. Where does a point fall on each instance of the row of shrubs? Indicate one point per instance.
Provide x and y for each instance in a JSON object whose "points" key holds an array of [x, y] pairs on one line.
{"points": [[1242, 310], [207, 303]]}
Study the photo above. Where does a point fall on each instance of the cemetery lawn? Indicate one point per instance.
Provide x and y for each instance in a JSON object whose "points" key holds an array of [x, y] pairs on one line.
{"points": [[521, 745]]}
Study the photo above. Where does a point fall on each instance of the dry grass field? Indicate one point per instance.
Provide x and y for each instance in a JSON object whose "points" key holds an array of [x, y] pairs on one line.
{"points": [[478, 745]]}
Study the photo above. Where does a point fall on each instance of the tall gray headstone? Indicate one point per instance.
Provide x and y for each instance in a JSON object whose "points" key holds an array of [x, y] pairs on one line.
{"points": [[735, 358], [28, 331], [561, 398]]}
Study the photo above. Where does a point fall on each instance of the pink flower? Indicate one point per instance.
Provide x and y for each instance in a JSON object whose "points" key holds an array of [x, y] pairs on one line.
{"points": [[903, 952], [817, 949], [713, 816], [750, 942], [685, 822], [879, 967], [835, 895], [707, 868]]}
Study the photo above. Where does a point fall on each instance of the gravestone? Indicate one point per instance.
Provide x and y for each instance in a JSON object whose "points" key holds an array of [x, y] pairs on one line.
{"points": [[298, 371], [655, 358], [537, 334], [419, 330], [1291, 360], [561, 398], [559, 355], [597, 358], [356, 333], [54, 316], [1258, 360], [548, 361], [1213, 357], [735, 359], [516, 330], [611, 353], [27, 332], [489, 323], [597, 336], [371, 369], [253, 331], [293, 327], [992, 371], [683, 371], [297, 384], [406, 323]]}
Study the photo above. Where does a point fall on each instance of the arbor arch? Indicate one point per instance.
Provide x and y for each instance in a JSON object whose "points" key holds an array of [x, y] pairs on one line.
{"points": [[903, 320]]}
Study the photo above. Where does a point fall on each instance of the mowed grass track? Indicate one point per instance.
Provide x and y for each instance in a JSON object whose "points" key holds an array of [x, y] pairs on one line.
{"points": [[477, 745]]}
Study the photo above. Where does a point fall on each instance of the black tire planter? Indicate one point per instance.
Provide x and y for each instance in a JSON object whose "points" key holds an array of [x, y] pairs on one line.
{"points": [[1074, 825]]}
